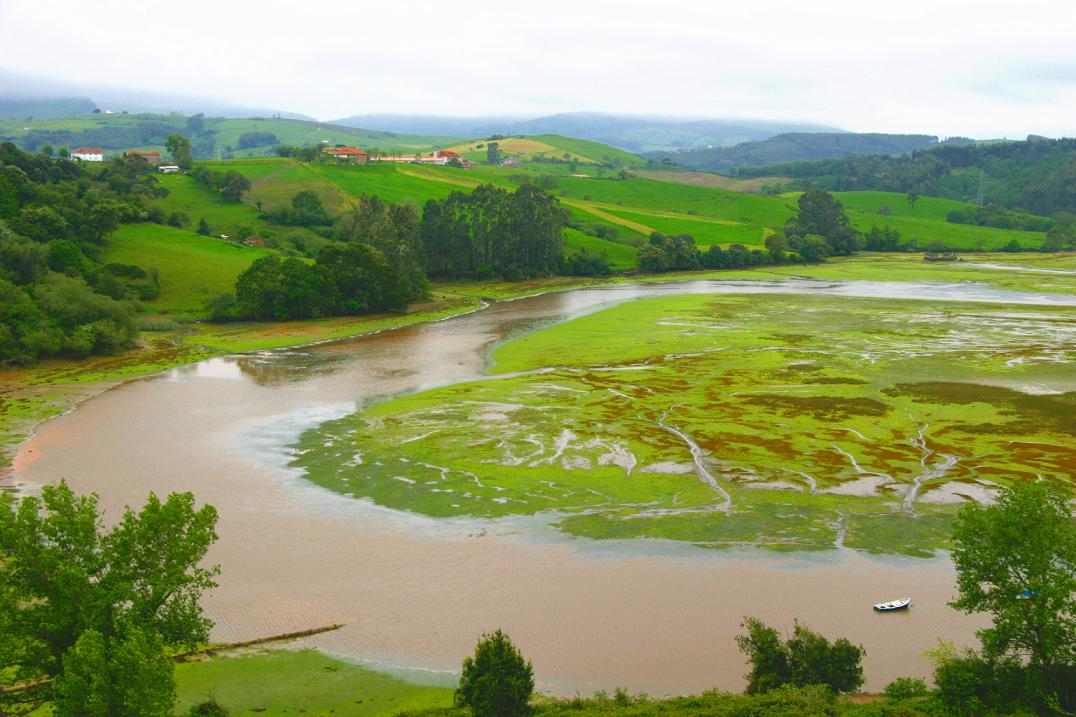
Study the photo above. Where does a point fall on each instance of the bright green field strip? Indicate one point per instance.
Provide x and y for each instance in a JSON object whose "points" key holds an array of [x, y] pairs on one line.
{"points": [[193, 268], [308, 133], [251, 168], [187, 196], [242, 336], [385, 180], [705, 232], [810, 411], [284, 682], [924, 208], [911, 267], [620, 256], [954, 236], [682, 198]]}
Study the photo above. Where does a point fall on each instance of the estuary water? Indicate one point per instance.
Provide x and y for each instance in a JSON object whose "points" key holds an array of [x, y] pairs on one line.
{"points": [[414, 593]]}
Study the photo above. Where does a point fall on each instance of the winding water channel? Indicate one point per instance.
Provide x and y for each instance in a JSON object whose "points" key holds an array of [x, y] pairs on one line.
{"points": [[415, 592]]}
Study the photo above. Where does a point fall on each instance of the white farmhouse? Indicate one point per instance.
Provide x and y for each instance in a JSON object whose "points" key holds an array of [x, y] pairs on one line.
{"points": [[88, 154]]}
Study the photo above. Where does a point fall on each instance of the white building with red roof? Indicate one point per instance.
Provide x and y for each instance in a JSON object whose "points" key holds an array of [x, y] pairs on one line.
{"points": [[88, 154], [350, 154]]}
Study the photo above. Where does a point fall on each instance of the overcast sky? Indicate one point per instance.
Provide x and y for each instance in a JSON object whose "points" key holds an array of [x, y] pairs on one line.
{"points": [[983, 68]]}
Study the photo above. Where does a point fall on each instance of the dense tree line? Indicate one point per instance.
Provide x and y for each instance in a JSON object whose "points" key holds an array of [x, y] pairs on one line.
{"points": [[1037, 175], [374, 264], [56, 296], [493, 232], [305, 210]]}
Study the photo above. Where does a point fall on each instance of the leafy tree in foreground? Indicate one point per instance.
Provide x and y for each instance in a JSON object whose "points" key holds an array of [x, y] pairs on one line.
{"points": [[87, 616], [804, 659], [497, 681], [1017, 561]]}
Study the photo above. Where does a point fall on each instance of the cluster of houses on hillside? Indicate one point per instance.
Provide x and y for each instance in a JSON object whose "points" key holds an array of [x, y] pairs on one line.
{"points": [[352, 155], [439, 157], [96, 154]]}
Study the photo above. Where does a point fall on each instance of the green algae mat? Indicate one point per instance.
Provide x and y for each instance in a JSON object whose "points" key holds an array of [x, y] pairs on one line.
{"points": [[790, 422]]}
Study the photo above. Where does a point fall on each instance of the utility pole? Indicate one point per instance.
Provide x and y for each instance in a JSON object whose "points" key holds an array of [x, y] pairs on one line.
{"points": [[980, 200]]}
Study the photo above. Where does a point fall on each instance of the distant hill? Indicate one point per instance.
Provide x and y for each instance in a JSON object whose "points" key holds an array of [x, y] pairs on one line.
{"points": [[794, 147], [210, 136], [22, 107], [632, 133], [1037, 175]]}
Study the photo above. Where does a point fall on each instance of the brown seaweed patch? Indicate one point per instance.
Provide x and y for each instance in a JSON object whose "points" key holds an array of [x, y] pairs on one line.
{"points": [[836, 380], [821, 407], [793, 338]]}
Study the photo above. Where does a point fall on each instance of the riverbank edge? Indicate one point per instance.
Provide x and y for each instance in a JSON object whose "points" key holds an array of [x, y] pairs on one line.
{"points": [[31, 396]]}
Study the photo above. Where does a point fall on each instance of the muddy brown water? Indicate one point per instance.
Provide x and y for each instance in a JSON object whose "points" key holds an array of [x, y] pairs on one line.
{"points": [[414, 592]]}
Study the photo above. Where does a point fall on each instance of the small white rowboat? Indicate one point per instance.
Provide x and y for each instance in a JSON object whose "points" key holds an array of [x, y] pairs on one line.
{"points": [[892, 605]]}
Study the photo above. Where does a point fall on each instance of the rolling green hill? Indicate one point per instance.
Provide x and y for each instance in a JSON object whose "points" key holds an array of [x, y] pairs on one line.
{"points": [[211, 136], [635, 207], [193, 269], [548, 146]]}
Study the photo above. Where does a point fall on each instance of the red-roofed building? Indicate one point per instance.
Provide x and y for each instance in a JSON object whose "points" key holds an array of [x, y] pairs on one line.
{"points": [[88, 154], [152, 158], [349, 154]]}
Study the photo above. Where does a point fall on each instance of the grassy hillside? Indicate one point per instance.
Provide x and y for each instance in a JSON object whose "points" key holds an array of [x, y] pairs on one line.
{"points": [[549, 145], [635, 207], [620, 256], [118, 132], [193, 268], [925, 221]]}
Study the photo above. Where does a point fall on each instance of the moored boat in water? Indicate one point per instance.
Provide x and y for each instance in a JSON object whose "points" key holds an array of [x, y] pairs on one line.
{"points": [[901, 604]]}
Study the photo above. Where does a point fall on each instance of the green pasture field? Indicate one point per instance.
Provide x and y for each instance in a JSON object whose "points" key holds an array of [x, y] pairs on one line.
{"points": [[187, 196], [226, 132], [706, 232], [193, 269], [964, 237], [784, 421], [394, 183], [595, 151], [281, 682], [302, 133], [620, 256]]}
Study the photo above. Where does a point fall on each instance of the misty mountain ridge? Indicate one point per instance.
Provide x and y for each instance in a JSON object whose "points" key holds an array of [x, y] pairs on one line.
{"points": [[29, 96], [633, 133]]}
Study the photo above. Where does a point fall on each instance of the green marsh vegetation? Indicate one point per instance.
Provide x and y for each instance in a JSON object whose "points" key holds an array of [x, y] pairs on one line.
{"points": [[785, 421]]}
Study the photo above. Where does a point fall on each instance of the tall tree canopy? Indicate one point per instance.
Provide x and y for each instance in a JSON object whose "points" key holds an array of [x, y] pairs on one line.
{"points": [[87, 615], [493, 232], [1017, 561], [180, 149], [821, 215]]}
